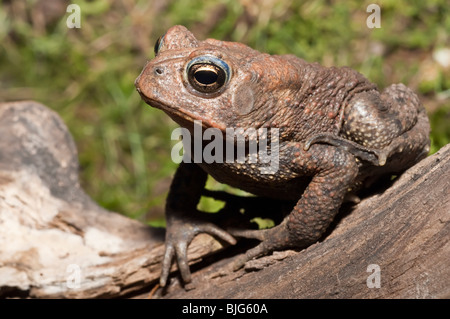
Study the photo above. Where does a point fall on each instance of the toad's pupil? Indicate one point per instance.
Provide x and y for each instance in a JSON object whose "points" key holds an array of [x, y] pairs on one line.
{"points": [[206, 77]]}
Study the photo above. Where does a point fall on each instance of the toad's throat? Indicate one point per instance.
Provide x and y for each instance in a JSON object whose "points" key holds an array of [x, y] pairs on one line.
{"points": [[183, 117]]}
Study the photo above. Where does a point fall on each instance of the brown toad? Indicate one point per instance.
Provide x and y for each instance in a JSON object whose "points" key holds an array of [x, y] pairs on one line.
{"points": [[335, 130]]}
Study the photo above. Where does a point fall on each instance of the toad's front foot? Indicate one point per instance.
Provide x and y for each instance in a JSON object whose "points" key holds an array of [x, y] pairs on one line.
{"points": [[179, 234]]}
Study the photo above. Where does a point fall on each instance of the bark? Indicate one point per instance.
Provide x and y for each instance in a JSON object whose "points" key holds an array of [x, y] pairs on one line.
{"points": [[56, 242]]}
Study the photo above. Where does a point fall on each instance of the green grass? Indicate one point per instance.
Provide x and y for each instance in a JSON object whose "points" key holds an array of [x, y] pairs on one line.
{"points": [[87, 74]]}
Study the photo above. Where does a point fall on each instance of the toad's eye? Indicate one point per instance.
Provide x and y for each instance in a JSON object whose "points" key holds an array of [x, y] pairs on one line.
{"points": [[207, 74], [158, 44]]}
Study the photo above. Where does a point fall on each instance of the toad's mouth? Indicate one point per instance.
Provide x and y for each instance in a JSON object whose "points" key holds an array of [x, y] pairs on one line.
{"points": [[182, 117]]}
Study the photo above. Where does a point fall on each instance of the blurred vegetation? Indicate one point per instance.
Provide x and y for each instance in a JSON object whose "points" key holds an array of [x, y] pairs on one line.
{"points": [[87, 74]]}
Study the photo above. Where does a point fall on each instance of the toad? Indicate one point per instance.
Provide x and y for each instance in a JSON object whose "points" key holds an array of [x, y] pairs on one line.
{"points": [[334, 130]]}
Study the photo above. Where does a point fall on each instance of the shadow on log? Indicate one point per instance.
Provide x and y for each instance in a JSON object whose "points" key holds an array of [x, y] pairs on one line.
{"points": [[56, 242]]}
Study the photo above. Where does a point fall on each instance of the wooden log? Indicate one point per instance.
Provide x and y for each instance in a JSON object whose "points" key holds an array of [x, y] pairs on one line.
{"points": [[56, 242]]}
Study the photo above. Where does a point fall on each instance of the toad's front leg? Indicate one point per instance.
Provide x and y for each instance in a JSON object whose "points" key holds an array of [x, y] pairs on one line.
{"points": [[333, 171], [183, 220]]}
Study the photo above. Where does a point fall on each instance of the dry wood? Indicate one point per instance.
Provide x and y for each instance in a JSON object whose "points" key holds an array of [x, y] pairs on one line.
{"points": [[56, 242]]}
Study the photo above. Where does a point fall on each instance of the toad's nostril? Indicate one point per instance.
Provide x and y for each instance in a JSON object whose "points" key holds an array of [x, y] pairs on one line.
{"points": [[159, 71]]}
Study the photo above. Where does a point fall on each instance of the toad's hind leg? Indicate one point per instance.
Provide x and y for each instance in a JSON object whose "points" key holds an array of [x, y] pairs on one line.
{"points": [[373, 120], [388, 128], [392, 122]]}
